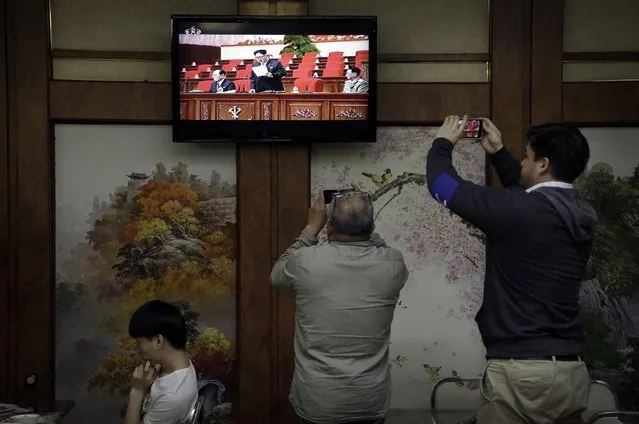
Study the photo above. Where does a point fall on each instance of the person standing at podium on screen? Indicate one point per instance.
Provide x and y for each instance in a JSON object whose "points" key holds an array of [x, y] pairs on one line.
{"points": [[266, 73], [221, 84]]}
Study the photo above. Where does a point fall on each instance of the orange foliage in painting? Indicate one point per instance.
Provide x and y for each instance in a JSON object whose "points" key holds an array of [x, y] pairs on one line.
{"points": [[211, 354], [154, 195], [167, 210], [128, 233], [162, 217], [116, 369]]}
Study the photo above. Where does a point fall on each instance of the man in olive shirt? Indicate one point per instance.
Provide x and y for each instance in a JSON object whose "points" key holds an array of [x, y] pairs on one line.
{"points": [[346, 291]]}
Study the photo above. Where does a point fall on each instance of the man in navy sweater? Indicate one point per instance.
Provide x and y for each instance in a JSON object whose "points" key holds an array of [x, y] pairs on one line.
{"points": [[539, 233]]}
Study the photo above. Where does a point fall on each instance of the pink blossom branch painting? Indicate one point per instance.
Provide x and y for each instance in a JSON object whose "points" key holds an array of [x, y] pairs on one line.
{"points": [[434, 334]]}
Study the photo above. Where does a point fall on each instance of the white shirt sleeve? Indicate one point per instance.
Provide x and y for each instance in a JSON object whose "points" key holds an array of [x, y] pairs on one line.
{"points": [[165, 410]]}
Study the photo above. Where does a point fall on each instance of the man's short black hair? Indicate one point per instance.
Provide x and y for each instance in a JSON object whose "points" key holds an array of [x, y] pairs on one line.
{"points": [[565, 147], [222, 72], [261, 51], [356, 70], [157, 318]]}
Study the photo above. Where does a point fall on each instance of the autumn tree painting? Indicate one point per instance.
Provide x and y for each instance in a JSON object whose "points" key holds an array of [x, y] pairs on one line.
{"points": [[166, 235]]}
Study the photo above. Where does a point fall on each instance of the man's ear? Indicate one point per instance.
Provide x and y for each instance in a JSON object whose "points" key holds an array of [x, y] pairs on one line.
{"points": [[544, 165], [159, 341]]}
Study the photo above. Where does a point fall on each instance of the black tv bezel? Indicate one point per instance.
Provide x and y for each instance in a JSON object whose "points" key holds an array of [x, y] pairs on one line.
{"points": [[280, 130]]}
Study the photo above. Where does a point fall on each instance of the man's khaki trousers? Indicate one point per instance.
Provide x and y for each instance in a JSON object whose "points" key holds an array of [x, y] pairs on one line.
{"points": [[534, 392]]}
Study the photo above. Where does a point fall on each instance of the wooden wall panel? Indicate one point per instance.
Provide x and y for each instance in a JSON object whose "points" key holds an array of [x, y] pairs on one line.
{"points": [[134, 102], [92, 101], [31, 201], [430, 103], [5, 262], [601, 103], [510, 76], [293, 194], [546, 61], [254, 182], [282, 174]]}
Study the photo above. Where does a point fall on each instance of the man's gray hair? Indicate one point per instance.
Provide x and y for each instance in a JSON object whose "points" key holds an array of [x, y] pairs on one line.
{"points": [[352, 216]]}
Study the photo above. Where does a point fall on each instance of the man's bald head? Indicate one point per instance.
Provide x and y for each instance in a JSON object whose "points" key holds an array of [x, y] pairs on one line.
{"points": [[352, 217]]}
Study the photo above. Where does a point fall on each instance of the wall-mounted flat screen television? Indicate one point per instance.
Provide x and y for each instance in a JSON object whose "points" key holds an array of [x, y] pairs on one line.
{"points": [[299, 79]]}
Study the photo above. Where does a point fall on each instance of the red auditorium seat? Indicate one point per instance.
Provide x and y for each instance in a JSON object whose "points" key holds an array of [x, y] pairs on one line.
{"points": [[242, 85], [228, 67], [286, 58], [204, 67], [315, 85], [333, 71], [360, 55], [205, 85], [302, 84], [309, 57], [191, 74], [302, 73], [335, 58], [243, 73]]}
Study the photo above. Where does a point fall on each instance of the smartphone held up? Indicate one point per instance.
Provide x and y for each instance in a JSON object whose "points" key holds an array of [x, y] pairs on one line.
{"points": [[330, 194], [474, 129]]}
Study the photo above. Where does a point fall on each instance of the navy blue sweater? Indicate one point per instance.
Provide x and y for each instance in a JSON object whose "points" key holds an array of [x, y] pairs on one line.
{"points": [[538, 245]]}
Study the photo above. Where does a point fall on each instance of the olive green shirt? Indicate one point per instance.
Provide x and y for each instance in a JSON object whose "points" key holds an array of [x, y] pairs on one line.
{"points": [[345, 299]]}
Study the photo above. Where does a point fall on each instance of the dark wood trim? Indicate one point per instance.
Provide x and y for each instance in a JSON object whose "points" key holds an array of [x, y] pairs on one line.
{"points": [[254, 366], [149, 102], [546, 65], [125, 102], [109, 55], [632, 56], [601, 103], [293, 187], [274, 254], [430, 103], [31, 203], [5, 263], [428, 58], [284, 201], [510, 88], [166, 56]]}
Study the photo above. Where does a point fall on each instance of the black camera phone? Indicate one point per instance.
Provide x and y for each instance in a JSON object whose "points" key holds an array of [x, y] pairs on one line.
{"points": [[329, 194], [474, 129]]}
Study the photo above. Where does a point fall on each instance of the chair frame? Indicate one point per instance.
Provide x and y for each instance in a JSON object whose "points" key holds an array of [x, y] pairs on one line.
{"points": [[611, 414], [194, 413], [596, 416]]}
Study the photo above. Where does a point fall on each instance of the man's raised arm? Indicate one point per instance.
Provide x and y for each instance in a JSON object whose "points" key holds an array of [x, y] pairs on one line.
{"points": [[491, 210], [507, 167]]}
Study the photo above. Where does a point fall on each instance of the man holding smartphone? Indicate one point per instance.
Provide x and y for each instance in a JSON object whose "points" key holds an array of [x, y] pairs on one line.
{"points": [[539, 233], [346, 292]]}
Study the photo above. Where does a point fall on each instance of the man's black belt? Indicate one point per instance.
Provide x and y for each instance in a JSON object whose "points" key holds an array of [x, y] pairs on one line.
{"points": [[562, 358]]}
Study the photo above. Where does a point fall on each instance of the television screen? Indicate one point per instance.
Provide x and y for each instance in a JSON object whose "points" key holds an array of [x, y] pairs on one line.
{"points": [[305, 79]]}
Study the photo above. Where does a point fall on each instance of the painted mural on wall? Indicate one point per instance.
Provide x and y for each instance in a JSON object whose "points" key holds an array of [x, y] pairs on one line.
{"points": [[138, 218], [434, 334], [610, 297]]}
